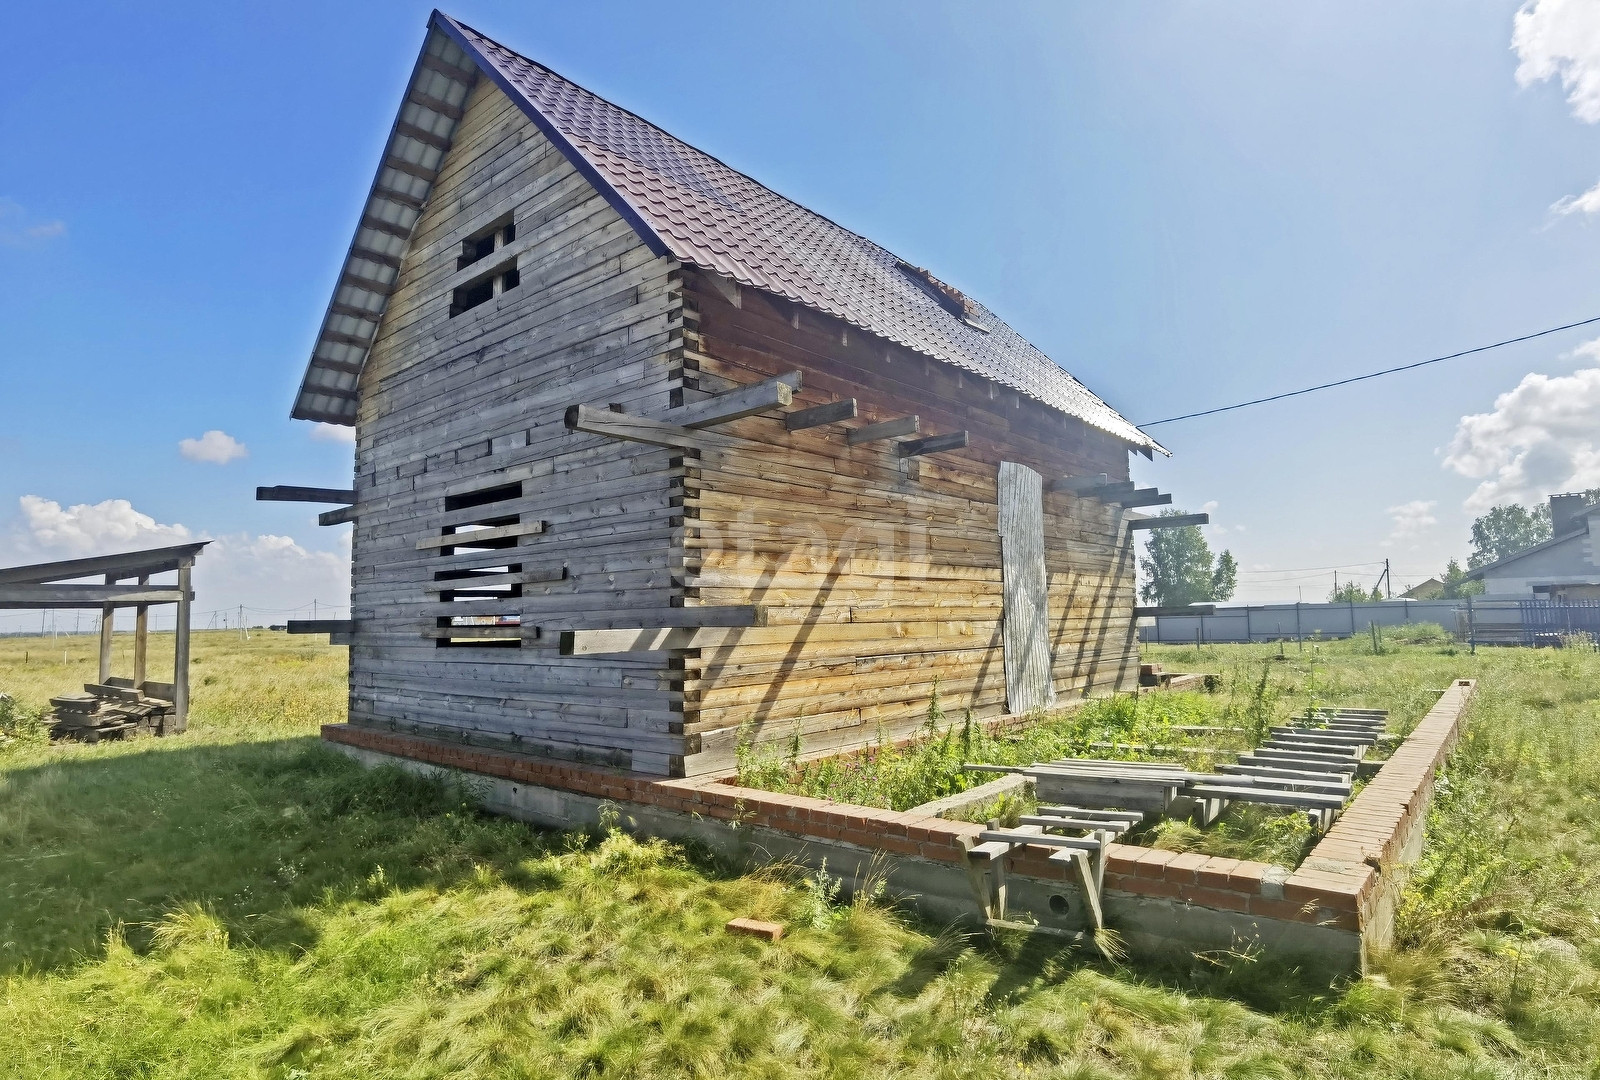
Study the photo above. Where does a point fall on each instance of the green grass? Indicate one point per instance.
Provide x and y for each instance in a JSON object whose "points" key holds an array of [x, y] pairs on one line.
{"points": [[239, 901]]}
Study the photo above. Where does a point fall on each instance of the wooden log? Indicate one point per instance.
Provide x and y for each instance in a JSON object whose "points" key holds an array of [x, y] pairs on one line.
{"points": [[1077, 485], [85, 596], [1176, 521], [667, 639], [478, 536], [592, 421], [933, 444], [1111, 492], [341, 516], [774, 393], [1143, 497], [818, 415], [888, 429], [292, 493], [321, 626]]}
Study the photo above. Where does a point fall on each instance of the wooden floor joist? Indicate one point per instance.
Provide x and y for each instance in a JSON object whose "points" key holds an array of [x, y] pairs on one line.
{"points": [[831, 413], [293, 493], [888, 429]]}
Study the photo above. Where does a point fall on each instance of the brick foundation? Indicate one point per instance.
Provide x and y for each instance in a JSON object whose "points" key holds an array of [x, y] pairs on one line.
{"points": [[1349, 883]]}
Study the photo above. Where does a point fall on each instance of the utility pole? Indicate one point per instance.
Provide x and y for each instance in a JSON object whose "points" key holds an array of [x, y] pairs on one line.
{"points": [[1388, 590]]}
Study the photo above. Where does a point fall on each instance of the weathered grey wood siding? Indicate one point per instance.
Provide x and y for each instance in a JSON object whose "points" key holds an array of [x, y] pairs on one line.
{"points": [[1025, 613], [456, 405]]}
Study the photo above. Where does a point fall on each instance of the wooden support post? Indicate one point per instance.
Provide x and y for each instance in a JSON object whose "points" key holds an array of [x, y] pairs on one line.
{"points": [[180, 663], [831, 413], [889, 429], [933, 444], [141, 638], [107, 618]]}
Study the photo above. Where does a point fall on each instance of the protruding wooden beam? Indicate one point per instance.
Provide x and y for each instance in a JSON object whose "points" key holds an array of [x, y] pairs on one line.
{"points": [[933, 444], [478, 536], [1175, 521], [481, 581], [889, 429], [341, 516], [816, 416], [615, 425], [1113, 492], [291, 493], [709, 630], [321, 626], [1075, 484], [1189, 609], [774, 393], [1144, 497]]}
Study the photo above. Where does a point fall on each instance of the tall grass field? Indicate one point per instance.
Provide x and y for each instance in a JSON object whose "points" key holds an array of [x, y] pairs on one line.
{"points": [[239, 901]]}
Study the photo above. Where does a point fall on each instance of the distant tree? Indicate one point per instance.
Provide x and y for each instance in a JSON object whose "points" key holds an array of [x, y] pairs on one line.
{"points": [[1225, 578], [1456, 585], [1179, 569], [1506, 530], [1353, 592]]}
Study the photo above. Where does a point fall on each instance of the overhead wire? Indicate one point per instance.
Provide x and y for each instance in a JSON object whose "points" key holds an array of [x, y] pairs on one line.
{"points": [[1372, 375]]}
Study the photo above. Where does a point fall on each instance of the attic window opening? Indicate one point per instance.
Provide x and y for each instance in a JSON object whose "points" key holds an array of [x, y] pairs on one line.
{"points": [[501, 280], [486, 241], [948, 297]]}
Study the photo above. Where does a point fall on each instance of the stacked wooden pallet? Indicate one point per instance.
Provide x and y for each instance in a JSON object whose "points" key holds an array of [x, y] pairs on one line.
{"points": [[114, 709], [1308, 765]]}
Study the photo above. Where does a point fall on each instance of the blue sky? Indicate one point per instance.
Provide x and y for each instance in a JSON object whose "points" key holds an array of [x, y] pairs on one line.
{"points": [[1185, 204]]}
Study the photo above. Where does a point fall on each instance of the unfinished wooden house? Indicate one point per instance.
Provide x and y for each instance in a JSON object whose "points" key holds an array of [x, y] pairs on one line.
{"points": [[651, 460]]}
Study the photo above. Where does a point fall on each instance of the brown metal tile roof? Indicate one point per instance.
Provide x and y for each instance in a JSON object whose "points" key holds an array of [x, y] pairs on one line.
{"points": [[692, 206]]}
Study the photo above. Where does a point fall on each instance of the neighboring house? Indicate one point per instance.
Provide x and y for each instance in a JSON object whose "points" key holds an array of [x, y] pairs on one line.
{"points": [[1431, 589], [652, 462], [1563, 568]]}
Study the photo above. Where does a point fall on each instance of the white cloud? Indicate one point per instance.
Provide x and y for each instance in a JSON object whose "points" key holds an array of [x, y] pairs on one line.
{"points": [[19, 229], [268, 574], [99, 529], [1411, 520], [339, 433], [1560, 39], [216, 447], [1542, 436], [1587, 203]]}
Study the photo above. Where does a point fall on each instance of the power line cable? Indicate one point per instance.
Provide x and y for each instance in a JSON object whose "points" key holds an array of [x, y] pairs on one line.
{"points": [[1373, 375]]}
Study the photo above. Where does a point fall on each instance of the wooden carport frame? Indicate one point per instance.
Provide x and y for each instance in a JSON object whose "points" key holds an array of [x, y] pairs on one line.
{"points": [[41, 586]]}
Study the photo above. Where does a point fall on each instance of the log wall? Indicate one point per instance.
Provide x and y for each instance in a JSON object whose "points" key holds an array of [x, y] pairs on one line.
{"points": [[881, 573], [453, 406], [878, 573]]}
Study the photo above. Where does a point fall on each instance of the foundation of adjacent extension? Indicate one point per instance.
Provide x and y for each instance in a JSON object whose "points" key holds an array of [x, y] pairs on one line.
{"points": [[1328, 914]]}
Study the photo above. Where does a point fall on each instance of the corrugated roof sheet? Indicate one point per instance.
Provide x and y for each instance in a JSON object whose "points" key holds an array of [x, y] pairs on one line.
{"points": [[717, 218], [706, 214]]}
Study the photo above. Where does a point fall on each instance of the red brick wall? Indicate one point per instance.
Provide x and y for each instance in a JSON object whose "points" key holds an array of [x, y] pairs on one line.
{"points": [[1340, 885]]}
